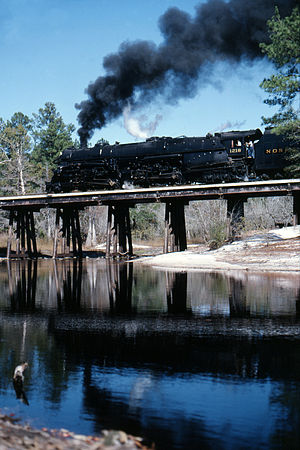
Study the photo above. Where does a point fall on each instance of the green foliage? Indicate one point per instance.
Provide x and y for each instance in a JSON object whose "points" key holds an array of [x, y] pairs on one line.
{"points": [[51, 136], [217, 235], [29, 147], [15, 145], [284, 86], [285, 40], [145, 221]]}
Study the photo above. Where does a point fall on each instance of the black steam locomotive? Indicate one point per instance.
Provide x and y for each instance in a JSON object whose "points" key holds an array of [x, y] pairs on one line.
{"points": [[159, 161]]}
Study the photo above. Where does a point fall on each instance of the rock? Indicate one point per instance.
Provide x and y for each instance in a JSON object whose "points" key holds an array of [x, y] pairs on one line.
{"points": [[20, 437]]}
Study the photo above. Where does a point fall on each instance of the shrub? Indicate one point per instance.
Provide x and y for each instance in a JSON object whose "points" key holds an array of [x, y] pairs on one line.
{"points": [[218, 235]]}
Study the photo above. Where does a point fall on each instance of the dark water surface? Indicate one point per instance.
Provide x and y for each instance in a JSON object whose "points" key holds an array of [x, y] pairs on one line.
{"points": [[187, 360]]}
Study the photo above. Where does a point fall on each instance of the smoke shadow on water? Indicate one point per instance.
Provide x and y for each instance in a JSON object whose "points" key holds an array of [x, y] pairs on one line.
{"points": [[184, 359]]}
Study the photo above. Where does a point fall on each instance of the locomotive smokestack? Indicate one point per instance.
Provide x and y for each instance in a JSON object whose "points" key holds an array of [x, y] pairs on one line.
{"points": [[220, 31]]}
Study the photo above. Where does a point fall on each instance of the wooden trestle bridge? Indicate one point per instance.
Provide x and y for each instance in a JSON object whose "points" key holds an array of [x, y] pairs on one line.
{"points": [[21, 209]]}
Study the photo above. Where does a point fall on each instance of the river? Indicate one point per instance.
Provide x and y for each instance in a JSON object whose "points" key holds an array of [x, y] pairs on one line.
{"points": [[187, 360]]}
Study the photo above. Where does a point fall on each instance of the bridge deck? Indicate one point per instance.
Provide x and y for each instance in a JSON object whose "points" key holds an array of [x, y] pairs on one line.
{"points": [[156, 194]]}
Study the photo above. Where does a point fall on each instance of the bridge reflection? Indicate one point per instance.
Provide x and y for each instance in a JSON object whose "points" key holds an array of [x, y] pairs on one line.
{"points": [[68, 282], [119, 282], [124, 288], [22, 280], [127, 341], [176, 292]]}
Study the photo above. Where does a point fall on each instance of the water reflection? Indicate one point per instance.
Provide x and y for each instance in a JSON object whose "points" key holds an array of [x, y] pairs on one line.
{"points": [[176, 292], [123, 288], [237, 298], [119, 282], [22, 279], [188, 360], [68, 281]]}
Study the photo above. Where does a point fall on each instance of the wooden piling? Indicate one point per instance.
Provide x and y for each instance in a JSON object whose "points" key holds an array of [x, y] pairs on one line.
{"points": [[67, 230], [22, 231], [175, 229], [296, 209], [118, 238], [10, 233]]}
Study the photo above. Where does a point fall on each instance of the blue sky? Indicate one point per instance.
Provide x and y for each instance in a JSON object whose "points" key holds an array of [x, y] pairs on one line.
{"points": [[52, 49]]}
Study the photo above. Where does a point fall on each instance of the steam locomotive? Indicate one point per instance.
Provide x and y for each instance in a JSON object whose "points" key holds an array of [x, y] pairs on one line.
{"points": [[223, 157]]}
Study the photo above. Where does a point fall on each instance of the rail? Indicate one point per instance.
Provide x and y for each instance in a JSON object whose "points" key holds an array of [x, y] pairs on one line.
{"points": [[156, 194]]}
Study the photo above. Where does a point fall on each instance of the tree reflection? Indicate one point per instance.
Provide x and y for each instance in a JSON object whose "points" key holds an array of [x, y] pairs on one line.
{"points": [[100, 400], [286, 398]]}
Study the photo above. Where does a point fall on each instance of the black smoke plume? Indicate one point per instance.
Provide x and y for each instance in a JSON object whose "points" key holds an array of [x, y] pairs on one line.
{"points": [[220, 31]]}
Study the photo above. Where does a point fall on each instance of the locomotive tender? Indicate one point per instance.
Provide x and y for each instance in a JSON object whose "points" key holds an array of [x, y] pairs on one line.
{"points": [[223, 157]]}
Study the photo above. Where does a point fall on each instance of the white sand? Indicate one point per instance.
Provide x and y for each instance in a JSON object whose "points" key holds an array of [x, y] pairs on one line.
{"points": [[276, 250]]}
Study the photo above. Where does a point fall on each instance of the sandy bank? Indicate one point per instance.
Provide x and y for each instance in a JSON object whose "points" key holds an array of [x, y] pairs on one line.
{"points": [[274, 251], [19, 437]]}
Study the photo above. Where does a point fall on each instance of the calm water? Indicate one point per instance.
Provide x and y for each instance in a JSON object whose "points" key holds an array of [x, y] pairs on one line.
{"points": [[187, 360]]}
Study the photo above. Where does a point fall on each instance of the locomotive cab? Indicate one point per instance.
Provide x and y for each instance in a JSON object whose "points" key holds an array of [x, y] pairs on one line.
{"points": [[240, 144]]}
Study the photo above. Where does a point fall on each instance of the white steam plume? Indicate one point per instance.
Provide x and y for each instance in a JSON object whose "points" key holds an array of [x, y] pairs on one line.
{"points": [[137, 126], [228, 124]]}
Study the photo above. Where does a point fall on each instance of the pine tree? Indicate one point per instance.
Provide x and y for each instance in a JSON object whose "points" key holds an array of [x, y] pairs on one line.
{"points": [[15, 145], [283, 87], [51, 136]]}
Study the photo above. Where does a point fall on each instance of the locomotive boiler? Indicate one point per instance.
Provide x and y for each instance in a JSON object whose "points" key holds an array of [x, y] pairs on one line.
{"points": [[159, 161]]}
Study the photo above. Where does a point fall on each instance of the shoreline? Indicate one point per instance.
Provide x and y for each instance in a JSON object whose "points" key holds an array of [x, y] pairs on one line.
{"points": [[273, 251], [18, 436]]}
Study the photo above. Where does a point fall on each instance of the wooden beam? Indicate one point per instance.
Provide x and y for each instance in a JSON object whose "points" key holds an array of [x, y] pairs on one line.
{"points": [[32, 234], [167, 229], [78, 234], [175, 229], [67, 230], [22, 230], [10, 233], [118, 238], [56, 233], [28, 233], [296, 208], [108, 231]]}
